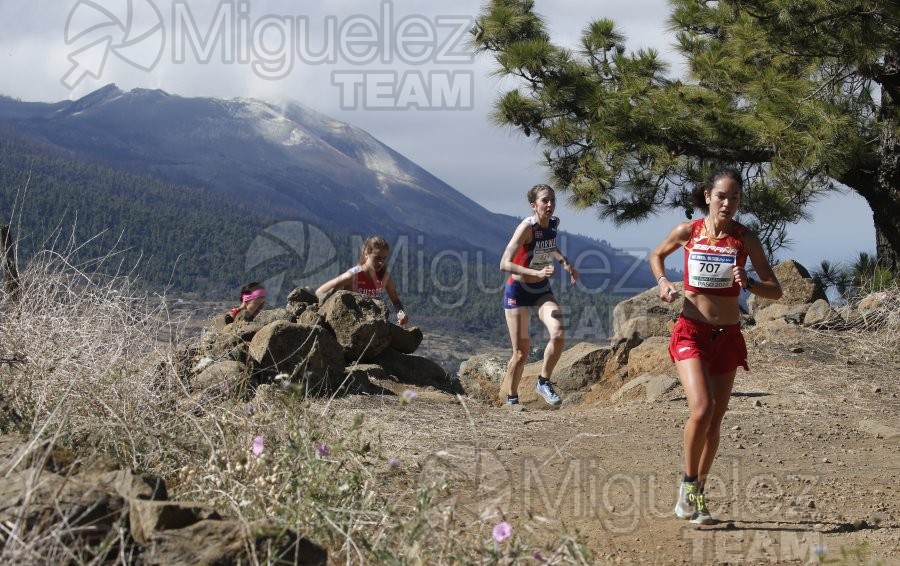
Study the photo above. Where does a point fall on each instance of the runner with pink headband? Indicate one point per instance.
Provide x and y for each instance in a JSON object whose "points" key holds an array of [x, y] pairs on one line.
{"points": [[257, 294], [253, 298]]}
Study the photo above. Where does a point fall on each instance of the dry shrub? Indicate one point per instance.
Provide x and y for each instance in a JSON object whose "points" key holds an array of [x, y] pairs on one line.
{"points": [[876, 334], [93, 372], [327, 472], [97, 378]]}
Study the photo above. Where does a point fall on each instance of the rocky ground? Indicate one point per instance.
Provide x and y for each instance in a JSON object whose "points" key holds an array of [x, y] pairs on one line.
{"points": [[808, 468]]}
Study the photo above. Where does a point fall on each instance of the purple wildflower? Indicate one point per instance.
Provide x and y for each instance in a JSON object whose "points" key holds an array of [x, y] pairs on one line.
{"points": [[502, 531], [259, 444], [322, 449]]}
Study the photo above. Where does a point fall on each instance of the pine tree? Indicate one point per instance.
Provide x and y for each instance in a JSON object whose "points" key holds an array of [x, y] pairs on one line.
{"points": [[800, 95]]}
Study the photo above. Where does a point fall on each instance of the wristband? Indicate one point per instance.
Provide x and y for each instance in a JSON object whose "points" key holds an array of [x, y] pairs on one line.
{"points": [[660, 278], [751, 282], [565, 260]]}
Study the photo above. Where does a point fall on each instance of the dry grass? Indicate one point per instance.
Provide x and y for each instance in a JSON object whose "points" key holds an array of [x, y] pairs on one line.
{"points": [[91, 372], [878, 337], [97, 380], [853, 363]]}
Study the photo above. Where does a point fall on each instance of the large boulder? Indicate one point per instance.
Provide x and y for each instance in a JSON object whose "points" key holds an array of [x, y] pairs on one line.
{"points": [[302, 296], [652, 316], [578, 367], [311, 317], [360, 324], [650, 357], [821, 315], [481, 376], [405, 340], [218, 345], [876, 302], [271, 315], [792, 314], [646, 326], [301, 299], [308, 354], [213, 384], [415, 370], [219, 377], [776, 332], [245, 329], [798, 287], [101, 513], [39, 502], [879, 309]]}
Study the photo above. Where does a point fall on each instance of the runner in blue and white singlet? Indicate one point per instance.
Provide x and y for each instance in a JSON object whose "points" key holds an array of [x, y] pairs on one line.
{"points": [[528, 258]]}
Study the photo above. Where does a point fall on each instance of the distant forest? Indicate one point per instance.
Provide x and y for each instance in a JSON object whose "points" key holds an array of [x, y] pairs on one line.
{"points": [[192, 243]]}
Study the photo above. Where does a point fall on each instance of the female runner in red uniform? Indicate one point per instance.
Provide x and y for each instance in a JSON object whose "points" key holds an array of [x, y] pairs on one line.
{"points": [[707, 345]]}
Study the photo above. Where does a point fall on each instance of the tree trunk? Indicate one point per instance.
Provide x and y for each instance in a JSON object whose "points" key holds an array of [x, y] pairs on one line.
{"points": [[887, 190], [9, 263]]}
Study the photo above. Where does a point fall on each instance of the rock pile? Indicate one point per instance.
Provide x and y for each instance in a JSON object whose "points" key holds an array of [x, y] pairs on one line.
{"points": [[345, 344], [46, 495]]}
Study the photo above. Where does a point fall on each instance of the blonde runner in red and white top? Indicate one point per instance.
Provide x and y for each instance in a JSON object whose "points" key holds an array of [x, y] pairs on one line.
{"points": [[370, 277]]}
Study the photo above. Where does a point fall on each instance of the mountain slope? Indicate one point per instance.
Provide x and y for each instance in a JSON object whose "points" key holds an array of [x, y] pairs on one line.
{"points": [[287, 162]]}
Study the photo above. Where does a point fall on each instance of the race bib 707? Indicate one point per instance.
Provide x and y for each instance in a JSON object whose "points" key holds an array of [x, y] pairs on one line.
{"points": [[711, 270]]}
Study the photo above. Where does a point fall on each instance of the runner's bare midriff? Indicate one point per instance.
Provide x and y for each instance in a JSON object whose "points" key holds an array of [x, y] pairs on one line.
{"points": [[712, 309]]}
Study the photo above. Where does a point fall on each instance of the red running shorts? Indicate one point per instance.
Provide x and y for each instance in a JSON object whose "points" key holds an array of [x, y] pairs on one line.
{"points": [[721, 348]]}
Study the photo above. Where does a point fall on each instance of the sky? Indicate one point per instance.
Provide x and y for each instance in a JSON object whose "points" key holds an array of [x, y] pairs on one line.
{"points": [[399, 69]]}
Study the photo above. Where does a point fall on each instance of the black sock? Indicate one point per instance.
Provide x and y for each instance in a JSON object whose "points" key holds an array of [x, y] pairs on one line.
{"points": [[689, 479], [542, 380], [512, 396]]}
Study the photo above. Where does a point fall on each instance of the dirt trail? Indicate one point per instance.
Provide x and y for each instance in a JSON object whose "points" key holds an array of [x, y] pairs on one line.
{"points": [[808, 466]]}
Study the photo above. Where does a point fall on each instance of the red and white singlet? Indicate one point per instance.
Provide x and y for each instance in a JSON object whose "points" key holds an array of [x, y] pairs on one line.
{"points": [[708, 262], [364, 284]]}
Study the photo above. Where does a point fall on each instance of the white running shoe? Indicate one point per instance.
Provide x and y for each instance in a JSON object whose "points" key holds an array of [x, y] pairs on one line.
{"points": [[546, 391], [687, 494], [701, 516]]}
